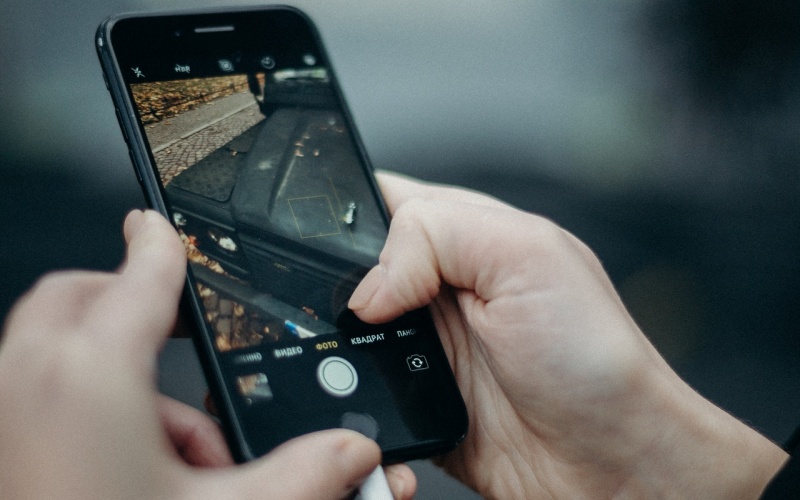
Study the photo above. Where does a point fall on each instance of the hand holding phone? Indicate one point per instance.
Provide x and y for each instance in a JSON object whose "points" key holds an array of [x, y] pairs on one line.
{"points": [[81, 416], [239, 134], [562, 381]]}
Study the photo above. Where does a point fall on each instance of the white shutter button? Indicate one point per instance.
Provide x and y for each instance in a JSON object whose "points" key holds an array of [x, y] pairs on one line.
{"points": [[337, 376]]}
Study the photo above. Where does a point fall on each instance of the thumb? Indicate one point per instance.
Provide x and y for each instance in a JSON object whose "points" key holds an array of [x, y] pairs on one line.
{"points": [[476, 247], [322, 465], [441, 233]]}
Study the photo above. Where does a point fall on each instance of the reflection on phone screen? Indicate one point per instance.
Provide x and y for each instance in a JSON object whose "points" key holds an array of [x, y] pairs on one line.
{"points": [[266, 187]]}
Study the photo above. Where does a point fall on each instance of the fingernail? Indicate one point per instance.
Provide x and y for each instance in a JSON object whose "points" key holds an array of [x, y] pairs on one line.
{"points": [[366, 289], [397, 484]]}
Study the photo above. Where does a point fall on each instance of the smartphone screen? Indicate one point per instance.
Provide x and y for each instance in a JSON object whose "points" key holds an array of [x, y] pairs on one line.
{"points": [[240, 136]]}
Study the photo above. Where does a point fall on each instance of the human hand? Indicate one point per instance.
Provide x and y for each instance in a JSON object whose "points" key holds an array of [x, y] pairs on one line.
{"points": [[566, 397], [80, 416]]}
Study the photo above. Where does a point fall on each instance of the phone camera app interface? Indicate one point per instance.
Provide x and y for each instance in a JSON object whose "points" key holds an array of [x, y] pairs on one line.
{"points": [[268, 187], [268, 193]]}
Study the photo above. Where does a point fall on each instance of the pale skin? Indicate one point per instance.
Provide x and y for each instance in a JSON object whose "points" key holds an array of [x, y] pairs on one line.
{"points": [[567, 398], [80, 417]]}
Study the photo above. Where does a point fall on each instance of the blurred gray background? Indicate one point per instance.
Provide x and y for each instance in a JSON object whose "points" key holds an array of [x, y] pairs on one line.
{"points": [[664, 133]]}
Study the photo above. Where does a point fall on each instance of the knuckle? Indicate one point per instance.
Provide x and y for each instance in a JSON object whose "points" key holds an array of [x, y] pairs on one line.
{"points": [[48, 295], [55, 282], [407, 215], [548, 235]]}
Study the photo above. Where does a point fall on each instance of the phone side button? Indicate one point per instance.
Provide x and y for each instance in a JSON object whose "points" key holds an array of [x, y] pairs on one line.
{"points": [[121, 125], [133, 162], [337, 376]]}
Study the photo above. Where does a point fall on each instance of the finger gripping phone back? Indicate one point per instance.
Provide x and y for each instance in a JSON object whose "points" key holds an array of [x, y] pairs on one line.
{"points": [[239, 134]]}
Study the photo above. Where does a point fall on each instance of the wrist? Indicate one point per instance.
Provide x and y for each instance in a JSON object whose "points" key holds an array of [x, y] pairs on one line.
{"points": [[700, 451]]}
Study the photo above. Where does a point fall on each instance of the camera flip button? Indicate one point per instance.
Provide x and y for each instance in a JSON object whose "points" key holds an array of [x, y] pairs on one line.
{"points": [[417, 362], [337, 376]]}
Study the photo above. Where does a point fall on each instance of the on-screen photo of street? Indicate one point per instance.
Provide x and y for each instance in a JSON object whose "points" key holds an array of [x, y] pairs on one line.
{"points": [[269, 195]]}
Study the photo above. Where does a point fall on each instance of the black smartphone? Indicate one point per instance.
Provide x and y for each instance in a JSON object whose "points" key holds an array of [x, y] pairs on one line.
{"points": [[239, 134]]}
